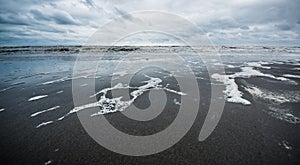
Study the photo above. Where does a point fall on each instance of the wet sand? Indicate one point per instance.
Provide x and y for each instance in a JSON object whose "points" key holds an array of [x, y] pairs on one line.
{"points": [[245, 134]]}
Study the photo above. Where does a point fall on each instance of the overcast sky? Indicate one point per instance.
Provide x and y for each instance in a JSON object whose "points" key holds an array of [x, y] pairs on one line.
{"points": [[225, 22]]}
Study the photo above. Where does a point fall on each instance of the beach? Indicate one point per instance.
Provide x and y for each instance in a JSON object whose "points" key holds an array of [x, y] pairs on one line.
{"points": [[259, 123]]}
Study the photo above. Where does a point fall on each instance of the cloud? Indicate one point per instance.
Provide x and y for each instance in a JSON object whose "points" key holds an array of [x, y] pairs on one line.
{"points": [[62, 17], [14, 19], [244, 27], [283, 27], [225, 22]]}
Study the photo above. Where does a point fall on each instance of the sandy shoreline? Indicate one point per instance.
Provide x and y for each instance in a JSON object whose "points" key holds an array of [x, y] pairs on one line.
{"points": [[259, 133]]}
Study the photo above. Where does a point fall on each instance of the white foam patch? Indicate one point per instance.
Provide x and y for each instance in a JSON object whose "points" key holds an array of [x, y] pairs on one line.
{"points": [[267, 95], [48, 162], [37, 97], [291, 76], [121, 73], [67, 78], [58, 92], [176, 102], [43, 124], [259, 64], [286, 145], [230, 66], [2, 109], [173, 91], [110, 105], [218, 64], [43, 111], [166, 74], [295, 64], [105, 90], [277, 97], [278, 62], [232, 94], [284, 115], [248, 72]]}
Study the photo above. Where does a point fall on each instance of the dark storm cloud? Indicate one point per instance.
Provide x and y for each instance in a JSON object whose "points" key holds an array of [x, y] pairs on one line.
{"points": [[63, 18], [90, 3], [38, 15], [60, 17], [14, 20]]}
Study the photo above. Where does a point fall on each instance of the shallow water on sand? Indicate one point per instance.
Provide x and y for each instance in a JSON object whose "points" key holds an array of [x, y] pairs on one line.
{"points": [[260, 122]]}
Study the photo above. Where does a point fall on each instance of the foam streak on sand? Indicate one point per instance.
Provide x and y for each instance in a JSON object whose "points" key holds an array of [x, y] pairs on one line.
{"points": [[43, 111], [57, 81], [173, 91], [121, 73], [37, 97], [258, 65], [276, 97], [5, 89], [291, 76], [43, 124], [232, 93], [286, 145], [67, 78], [284, 115], [110, 105], [176, 102], [48, 162]]}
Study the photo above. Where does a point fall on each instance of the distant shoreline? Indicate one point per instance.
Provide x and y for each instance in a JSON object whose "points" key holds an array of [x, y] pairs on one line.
{"points": [[81, 48]]}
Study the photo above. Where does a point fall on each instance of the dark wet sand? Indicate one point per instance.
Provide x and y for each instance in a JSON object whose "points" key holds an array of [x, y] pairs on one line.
{"points": [[244, 135]]}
